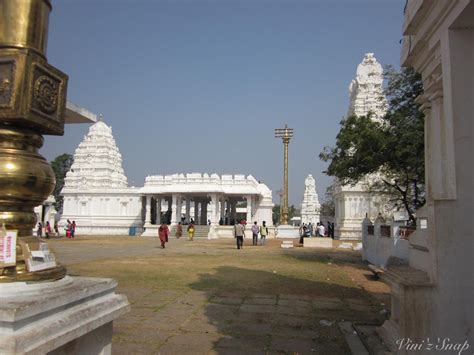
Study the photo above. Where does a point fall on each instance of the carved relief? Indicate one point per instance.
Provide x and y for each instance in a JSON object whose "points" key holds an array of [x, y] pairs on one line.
{"points": [[46, 94], [310, 205], [7, 71]]}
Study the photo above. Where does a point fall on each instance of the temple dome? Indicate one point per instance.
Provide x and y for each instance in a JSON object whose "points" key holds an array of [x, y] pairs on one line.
{"points": [[310, 206], [97, 161], [366, 90]]}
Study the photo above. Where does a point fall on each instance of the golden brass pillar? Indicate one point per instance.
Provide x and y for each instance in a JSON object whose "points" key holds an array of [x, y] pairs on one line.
{"points": [[286, 134], [32, 103]]}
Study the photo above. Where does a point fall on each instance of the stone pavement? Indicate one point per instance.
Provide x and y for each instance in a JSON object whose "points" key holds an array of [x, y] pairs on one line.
{"points": [[192, 321]]}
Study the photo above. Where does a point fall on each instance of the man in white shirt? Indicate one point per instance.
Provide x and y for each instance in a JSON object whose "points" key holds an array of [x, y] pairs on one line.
{"points": [[239, 234], [321, 230]]}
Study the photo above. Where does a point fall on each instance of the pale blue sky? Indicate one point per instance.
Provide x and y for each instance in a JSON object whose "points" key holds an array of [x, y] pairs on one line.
{"points": [[200, 86]]}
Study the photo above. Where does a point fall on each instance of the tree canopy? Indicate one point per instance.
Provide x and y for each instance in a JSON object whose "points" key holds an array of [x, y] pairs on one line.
{"points": [[61, 165], [292, 212], [328, 208], [391, 149]]}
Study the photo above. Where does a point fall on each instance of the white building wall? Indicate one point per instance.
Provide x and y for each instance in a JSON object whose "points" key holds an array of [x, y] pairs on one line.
{"points": [[103, 213]]}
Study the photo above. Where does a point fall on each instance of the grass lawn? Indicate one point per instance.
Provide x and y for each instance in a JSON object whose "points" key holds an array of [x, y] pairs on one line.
{"points": [[208, 297]]}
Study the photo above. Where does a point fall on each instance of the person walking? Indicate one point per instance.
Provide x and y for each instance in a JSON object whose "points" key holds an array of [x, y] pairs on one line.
{"points": [[47, 229], [301, 230], [328, 229], [39, 230], [179, 230], [239, 233], [163, 233], [263, 233], [191, 230], [73, 229], [304, 234], [255, 230], [56, 229], [68, 229]]}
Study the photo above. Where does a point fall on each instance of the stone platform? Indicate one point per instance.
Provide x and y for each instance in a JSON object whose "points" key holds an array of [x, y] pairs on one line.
{"points": [[287, 231], [287, 244], [317, 242], [151, 230], [71, 315]]}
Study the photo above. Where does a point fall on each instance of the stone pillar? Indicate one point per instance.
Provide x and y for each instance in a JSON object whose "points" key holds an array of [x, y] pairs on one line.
{"points": [[222, 201], [204, 211], [179, 207], [148, 210], [249, 208], [233, 210], [158, 210], [196, 210], [188, 209], [169, 212], [174, 206], [214, 209]]}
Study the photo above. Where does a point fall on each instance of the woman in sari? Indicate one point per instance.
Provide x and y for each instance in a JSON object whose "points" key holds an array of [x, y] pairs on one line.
{"points": [[163, 233], [191, 231]]}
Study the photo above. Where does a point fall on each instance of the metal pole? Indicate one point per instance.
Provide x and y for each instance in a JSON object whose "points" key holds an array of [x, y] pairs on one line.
{"points": [[286, 134], [32, 103], [284, 219]]}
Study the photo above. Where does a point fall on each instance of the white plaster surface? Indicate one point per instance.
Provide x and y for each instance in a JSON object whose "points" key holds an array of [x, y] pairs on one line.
{"points": [[36, 318], [378, 250], [439, 43], [287, 231], [354, 202], [96, 192], [317, 242], [310, 206], [97, 196]]}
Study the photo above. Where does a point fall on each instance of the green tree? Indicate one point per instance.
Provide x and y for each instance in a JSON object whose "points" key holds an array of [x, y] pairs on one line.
{"points": [[61, 165], [292, 211], [391, 149], [328, 207]]}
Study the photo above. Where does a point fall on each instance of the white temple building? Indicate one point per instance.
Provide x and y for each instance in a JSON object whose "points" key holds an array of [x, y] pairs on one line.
{"points": [[353, 202], [97, 196], [310, 207], [96, 192]]}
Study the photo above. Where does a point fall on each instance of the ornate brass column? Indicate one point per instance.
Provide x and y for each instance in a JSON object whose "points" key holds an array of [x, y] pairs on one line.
{"points": [[32, 103], [285, 133]]}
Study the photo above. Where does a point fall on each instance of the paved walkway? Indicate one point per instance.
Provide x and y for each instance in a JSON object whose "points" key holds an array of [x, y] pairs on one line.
{"points": [[206, 322]]}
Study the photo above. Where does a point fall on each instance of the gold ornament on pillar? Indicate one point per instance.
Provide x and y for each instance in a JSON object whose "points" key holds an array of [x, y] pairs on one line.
{"points": [[285, 134], [32, 103]]}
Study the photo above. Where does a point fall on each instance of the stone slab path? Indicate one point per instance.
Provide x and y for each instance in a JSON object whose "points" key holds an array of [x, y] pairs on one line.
{"points": [[191, 321]]}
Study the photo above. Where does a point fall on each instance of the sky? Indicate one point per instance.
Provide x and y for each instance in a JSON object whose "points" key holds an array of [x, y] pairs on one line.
{"points": [[200, 86]]}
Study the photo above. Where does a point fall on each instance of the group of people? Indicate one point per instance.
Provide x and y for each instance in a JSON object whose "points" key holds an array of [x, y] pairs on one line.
{"points": [[239, 233], [164, 231], [308, 230], [48, 231]]}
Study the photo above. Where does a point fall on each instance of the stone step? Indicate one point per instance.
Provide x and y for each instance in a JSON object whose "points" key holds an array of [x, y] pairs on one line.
{"points": [[199, 231], [317, 242]]}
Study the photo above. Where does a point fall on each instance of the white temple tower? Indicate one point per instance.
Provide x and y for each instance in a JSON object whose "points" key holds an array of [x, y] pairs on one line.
{"points": [[96, 193], [310, 207], [97, 161], [353, 202], [366, 91]]}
